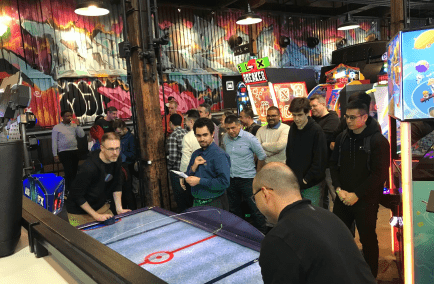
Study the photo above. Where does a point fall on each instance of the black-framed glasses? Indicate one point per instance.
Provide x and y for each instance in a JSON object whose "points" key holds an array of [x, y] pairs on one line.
{"points": [[118, 149], [271, 116], [352, 117], [253, 195]]}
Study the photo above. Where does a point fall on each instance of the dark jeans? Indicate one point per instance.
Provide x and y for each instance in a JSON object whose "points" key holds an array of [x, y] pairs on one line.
{"points": [[69, 160], [365, 215], [128, 198], [183, 198], [239, 189]]}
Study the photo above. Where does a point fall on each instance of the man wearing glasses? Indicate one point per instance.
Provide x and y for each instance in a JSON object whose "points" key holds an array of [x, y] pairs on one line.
{"points": [[359, 174], [307, 244], [306, 151], [273, 137], [98, 179]]}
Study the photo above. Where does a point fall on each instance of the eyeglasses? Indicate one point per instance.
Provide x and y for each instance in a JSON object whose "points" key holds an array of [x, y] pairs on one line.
{"points": [[351, 117], [253, 195], [271, 116], [118, 149]]}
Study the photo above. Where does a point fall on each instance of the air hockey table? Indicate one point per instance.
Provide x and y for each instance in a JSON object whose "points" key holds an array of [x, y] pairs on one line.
{"points": [[201, 245]]}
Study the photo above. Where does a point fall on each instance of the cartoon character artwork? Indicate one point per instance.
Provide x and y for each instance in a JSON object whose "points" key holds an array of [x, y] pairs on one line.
{"points": [[419, 78], [424, 40], [426, 96]]}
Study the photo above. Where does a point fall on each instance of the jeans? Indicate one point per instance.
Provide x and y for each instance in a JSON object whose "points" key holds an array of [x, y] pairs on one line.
{"points": [[69, 160], [365, 215], [183, 198], [313, 194], [239, 189]]}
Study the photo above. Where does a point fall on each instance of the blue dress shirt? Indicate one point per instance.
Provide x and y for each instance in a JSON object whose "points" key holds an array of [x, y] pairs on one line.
{"points": [[241, 150], [214, 174]]}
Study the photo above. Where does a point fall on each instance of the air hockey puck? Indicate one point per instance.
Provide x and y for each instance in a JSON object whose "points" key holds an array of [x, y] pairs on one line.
{"points": [[110, 221]]}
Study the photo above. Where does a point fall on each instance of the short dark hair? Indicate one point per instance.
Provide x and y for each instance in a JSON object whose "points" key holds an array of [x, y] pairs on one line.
{"points": [[112, 108], [360, 96], [360, 105], [110, 136], [202, 122], [176, 119], [231, 119], [119, 123], [300, 104], [274, 108], [227, 113], [248, 112], [193, 114], [206, 106], [62, 113]]}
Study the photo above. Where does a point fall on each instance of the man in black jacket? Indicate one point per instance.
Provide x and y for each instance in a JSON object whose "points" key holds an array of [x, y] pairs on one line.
{"points": [[359, 167], [98, 178], [329, 121], [308, 244], [306, 150]]}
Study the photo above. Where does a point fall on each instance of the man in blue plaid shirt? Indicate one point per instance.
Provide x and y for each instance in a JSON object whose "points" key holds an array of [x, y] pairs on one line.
{"points": [[174, 154]]}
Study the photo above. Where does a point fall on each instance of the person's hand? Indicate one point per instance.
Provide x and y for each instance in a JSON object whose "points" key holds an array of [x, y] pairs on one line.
{"points": [[102, 217], [181, 182], [121, 210], [350, 199], [342, 194], [199, 161], [332, 145], [192, 180], [75, 121], [56, 159]]}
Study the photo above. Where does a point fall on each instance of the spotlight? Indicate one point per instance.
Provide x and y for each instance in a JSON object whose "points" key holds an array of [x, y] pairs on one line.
{"points": [[91, 8], [249, 18]]}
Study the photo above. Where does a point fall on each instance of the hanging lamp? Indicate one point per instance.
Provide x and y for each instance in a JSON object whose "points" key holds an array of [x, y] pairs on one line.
{"points": [[348, 24], [249, 18], [91, 8]]}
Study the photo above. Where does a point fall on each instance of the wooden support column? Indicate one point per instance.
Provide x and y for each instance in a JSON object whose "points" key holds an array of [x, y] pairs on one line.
{"points": [[253, 35], [396, 16], [149, 121]]}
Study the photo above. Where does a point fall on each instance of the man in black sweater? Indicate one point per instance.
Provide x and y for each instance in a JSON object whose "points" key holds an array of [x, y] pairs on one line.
{"points": [[359, 167], [98, 178], [306, 150], [329, 121], [308, 244]]}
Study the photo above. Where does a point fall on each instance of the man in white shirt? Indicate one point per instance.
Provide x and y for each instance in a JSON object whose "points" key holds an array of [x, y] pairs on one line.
{"points": [[274, 137], [189, 145], [64, 146]]}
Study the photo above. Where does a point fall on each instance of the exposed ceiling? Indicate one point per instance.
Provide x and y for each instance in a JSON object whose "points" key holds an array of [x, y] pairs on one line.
{"points": [[320, 8]]}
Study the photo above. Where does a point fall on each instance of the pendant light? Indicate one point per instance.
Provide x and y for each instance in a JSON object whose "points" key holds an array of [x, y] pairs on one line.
{"points": [[91, 8], [349, 23], [249, 18]]}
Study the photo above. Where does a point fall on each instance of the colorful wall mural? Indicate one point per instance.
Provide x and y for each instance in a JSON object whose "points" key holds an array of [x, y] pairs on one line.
{"points": [[73, 61]]}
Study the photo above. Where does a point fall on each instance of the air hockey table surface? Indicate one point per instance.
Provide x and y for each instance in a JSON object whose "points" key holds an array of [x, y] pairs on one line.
{"points": [[202, 245]]}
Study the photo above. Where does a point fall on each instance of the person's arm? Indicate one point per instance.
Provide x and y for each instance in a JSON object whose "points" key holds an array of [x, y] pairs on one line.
{"points": [[190, 170], [379, 164], [82, 183], [54, 138], [221, 180], [280, 144], [172, 149], [79, 131], [98, 217], [319, 161], [280, 263], [117, 197], [334, 160], [186, 153], [258, 151]]}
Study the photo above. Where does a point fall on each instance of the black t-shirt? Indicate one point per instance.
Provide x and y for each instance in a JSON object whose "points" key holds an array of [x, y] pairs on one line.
{"points": [[107, 126]]}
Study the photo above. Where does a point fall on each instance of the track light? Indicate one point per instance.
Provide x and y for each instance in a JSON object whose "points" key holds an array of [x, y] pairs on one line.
{"points": [[249, 18], [91, 8]]}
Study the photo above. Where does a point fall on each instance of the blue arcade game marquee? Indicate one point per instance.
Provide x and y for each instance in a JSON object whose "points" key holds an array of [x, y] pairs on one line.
{"points": [[46, 190], [411, 74]]}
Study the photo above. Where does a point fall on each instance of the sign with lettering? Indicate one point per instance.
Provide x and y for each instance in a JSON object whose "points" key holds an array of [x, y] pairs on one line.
{"points": [[242, 49], [253, 65], [254, 77]]}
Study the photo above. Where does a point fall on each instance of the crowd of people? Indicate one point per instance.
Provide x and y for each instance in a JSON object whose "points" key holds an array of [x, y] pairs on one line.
{"points": [[285, 175]]}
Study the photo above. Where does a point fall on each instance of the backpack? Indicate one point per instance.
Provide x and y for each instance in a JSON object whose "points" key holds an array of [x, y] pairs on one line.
{"points": [[366, 147]]}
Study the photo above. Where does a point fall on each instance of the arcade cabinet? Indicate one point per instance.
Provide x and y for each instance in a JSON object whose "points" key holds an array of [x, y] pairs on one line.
{"points": [[410, 92]]}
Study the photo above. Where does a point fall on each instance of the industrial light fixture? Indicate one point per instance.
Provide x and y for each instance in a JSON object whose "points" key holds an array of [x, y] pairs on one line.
{"points": [[348, 24], [91, 8], [3, 29], [249, 18]]}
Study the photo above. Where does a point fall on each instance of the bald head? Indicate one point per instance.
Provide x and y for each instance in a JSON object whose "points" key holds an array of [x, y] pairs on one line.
{"points": [[279, 177]]}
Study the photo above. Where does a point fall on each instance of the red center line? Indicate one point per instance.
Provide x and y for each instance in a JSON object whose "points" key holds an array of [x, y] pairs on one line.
{"points": [[213, 236]]}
